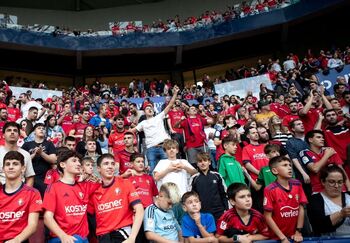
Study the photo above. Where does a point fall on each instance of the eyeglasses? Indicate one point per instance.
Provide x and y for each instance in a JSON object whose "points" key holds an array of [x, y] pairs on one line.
{"points": [[333, 182]]}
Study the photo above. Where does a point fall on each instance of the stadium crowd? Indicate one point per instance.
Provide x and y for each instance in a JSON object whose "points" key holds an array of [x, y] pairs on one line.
{"points": [[231, 169], [175, 24]]}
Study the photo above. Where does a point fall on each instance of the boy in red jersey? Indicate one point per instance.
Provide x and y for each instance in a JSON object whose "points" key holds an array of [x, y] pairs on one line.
{"points": [[114, 203], [20, 204], [66, 202], [241, 223], [144, 184], [284, 202]]}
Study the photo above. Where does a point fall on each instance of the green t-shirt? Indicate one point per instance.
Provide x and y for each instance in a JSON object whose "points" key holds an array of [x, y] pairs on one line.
{"points": [[265, 176], [230, 170]]}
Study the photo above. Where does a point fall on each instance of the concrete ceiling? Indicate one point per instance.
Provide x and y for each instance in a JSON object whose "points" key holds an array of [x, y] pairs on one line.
{"points": [[71, 5]]}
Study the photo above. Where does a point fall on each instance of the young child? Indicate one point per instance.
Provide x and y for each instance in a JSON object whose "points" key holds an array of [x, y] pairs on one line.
{"points": [[242, 223], [196, 226], [143, 183], [159, 221], [210, 187], [87, 170], [284, 202], [229, 168], [20, 204], [173, 169], [66, 200], [266, 177]]}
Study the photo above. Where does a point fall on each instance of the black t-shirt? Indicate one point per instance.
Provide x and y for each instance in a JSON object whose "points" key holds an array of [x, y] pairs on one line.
{"points": [[39, 164]]}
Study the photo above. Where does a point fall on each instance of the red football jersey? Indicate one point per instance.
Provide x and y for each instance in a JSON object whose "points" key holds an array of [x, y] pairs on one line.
{"points": [[194, 133], [284, 205], [113, 205], [307, 156], [175, 116], [13, 114], [116, 141], [123, 158], [69, 205], [67, 124], [79, 129], [310, 119], [338, 137], [288, 119], [15, 209], [52, 176], [145, 187], [231, 220], [255, 155]]}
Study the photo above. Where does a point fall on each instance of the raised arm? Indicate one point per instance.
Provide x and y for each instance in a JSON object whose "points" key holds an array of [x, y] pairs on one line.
{"points": [[172, 101]]}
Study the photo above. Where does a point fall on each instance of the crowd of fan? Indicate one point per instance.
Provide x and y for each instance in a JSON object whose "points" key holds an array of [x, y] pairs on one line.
{"points": [[175, 24], [188, 172]]}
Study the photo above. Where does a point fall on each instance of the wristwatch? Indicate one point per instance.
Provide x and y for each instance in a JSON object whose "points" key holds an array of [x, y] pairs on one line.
{"points": [[235, 238], [298, 229]]}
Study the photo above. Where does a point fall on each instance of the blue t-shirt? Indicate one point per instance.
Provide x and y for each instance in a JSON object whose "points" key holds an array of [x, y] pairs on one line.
{"points": [[190, 229], [161, 222]]}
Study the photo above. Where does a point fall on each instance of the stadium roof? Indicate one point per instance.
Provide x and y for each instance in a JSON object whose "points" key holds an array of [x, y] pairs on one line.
{"points": [[71, 5]]}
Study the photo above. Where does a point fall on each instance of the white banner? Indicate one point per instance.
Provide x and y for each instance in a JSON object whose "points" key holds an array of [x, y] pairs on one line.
{"points": [[240, 87], [36, 93]]}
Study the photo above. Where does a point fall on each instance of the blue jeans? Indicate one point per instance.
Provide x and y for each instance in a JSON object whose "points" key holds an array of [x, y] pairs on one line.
{"points": [[78, 237], [212, 158], [154, 154]]}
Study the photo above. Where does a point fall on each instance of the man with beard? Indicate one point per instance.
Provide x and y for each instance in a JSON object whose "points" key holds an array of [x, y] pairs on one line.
{"points": [[3, 119], [293, 114], [253, 155]]}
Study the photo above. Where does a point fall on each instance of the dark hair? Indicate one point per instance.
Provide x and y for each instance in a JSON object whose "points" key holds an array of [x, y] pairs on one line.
{"points": [[228, 139], [38, 125], [271, 147], [346, 92], [311, 134], [329, 110], [63, 155], [203, 156], [14, 155], [102, 157], [69, 138], [292, 123], [247, 130], [135, 156], [278, 159], [32, 108], [324, 173], [187, 195], [234, 188], [10, 124]]}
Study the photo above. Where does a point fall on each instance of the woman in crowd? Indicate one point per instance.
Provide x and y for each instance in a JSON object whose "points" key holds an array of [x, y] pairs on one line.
{"points": [[88, 134], [278, 131], [329, 211]]}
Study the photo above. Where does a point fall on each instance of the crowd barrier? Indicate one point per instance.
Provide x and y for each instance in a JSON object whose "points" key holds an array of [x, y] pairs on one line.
{"points": [[138, 40]]}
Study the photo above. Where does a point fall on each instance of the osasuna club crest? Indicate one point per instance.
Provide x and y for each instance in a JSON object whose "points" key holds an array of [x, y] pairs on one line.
{"points": [[117, 190], [20, 202], [81, 195]]}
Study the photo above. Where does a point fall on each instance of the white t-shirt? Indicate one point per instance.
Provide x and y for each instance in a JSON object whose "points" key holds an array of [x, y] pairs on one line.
{"points": [[180, 178], [288, 64], [27, 162], [330, 208], [25, 108], [154, 130]]}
